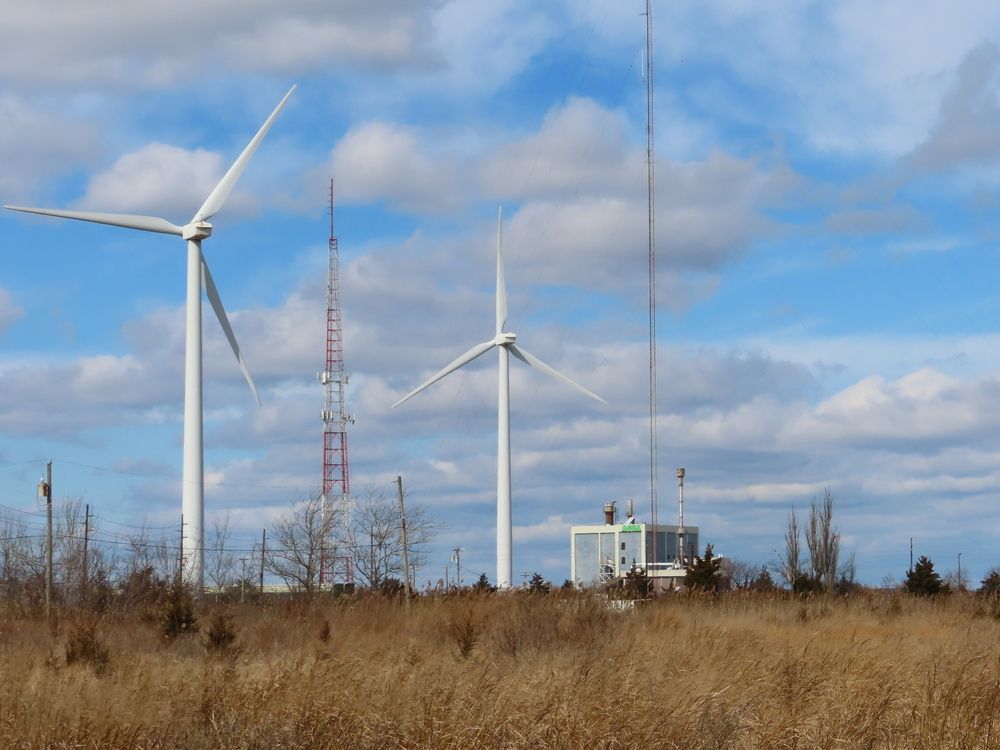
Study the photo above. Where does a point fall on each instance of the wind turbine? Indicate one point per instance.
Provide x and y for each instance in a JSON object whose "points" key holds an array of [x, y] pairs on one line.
{"points": [[504, 343], [198, 276]]}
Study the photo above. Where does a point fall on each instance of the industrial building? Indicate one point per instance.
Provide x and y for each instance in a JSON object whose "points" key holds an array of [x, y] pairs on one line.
{"points": [[606, 552]]}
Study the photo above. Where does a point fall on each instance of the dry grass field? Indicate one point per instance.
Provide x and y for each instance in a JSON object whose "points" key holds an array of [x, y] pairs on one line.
{"points": [[516, 671]]}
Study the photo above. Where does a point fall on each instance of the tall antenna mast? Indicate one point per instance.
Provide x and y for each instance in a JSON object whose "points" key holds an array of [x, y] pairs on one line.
{"points": [[336, 473], [651, 199]]}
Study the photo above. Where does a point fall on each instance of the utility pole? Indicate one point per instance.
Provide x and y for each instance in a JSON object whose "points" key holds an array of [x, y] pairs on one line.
{"points": [[86, 540], [402, 526], [960, 587], [243, 580], [263, 552], [911, 556], [457, 557], [45, 490]]}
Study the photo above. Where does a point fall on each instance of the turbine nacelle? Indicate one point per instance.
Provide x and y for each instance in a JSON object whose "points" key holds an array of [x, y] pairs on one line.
{"points": [[196, 230], [504, 339]]}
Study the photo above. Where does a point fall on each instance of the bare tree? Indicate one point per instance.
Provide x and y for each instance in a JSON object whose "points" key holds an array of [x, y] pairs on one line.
{"points": [[847, 575], [740, 574], [298, 542], [67, 543], [18, 556], [956, 583], [823, 542], [159, 554], [220, 561], [375, 538], [790, 567]]}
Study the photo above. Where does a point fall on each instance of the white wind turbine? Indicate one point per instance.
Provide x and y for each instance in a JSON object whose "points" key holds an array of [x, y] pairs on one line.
{"points": [[504, 343], [196, 230]]}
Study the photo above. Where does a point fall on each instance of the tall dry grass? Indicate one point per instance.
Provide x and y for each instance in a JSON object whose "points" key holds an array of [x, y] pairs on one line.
{"points": [[875, 671]]}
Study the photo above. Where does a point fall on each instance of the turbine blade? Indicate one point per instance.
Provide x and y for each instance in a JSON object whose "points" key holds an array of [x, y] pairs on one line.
{"points": [[220, 313], [530, 359], [464, 359], [129, 221], [218, 196], [501, 284]]}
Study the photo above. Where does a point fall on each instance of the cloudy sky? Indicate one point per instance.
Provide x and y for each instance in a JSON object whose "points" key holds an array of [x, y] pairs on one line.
{"points": [[828, 208]]}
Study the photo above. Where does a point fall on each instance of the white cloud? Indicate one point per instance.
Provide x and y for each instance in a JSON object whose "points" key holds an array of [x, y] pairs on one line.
{"points": [[582, 219], [965, 130], [847, 76], [708, 214], [894, 220], [552, 529], [383, 161], [159, 179], [921, 406], [386, 38], [64, 43], [36, 145], [513, 31], [10, 311], [581, 148]]}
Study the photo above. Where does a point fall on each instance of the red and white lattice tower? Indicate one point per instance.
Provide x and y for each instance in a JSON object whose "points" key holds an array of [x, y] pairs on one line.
{"points": [[336, 562]]}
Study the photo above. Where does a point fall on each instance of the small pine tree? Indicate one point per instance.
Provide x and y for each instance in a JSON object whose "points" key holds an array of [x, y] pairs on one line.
{"points": [[85, 646], [482, 586], [807, 584], [991, 584], [763, 581], [221, 635], [923, 580], [391, 587], [703, 575], [637, 584], [177, 615], [538, 584]]}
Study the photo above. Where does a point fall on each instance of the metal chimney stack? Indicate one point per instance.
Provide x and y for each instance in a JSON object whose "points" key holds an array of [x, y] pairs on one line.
{"points": [[680, 525], [609, 513]]}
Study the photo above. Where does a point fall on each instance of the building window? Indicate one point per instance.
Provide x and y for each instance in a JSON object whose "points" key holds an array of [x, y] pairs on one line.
{"points": [[623, 561], [623, 546]]}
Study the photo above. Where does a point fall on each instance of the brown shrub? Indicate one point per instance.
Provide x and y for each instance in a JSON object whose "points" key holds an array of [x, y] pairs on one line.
{"points": [[85, 646]]}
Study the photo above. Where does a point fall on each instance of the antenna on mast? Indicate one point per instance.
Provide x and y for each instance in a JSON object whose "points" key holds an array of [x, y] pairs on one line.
{"points": [[336, 473], [651, 209]]}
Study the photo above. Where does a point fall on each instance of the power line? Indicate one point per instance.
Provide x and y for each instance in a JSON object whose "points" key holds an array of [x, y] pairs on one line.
{"points": [[134, 526], [23, 463], [180, 480]]}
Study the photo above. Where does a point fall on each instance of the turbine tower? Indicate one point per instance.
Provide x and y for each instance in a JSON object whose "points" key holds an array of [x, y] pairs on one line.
{"points": [[504, 343], [198, 277]]}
